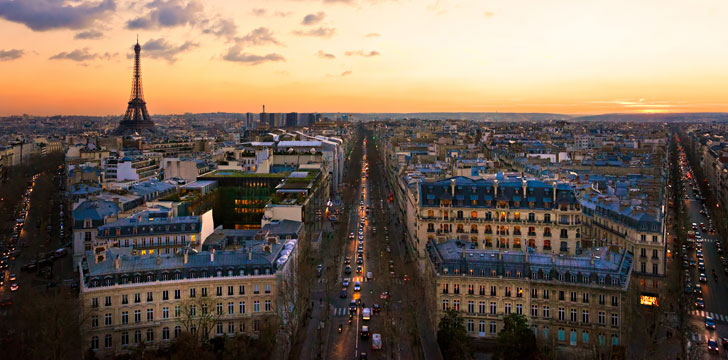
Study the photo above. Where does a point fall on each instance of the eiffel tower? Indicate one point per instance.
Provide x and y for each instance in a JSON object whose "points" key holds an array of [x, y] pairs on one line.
{"points": [[136, 119]]}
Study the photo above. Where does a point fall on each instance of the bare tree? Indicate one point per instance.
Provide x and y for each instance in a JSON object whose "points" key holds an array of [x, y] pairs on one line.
{"points": [[294, 291], [198, 316]]}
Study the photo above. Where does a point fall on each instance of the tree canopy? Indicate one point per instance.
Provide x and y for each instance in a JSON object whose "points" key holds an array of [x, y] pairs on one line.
{"points": [[516, 340], [453, 337]]}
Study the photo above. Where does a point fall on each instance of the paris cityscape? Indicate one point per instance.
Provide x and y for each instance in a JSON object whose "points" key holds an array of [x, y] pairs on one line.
{"points": [[363, 179]]}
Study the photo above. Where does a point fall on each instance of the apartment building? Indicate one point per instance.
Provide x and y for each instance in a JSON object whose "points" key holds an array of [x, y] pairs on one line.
{"points": [[499, 213], [570, 301], [155, 231], [151, 299]]}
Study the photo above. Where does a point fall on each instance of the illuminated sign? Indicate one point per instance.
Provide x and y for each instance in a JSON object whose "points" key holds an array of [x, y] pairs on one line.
{"points": [[648, 300]]}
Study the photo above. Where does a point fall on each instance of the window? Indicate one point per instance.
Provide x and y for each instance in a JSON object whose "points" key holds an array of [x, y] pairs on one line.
{"points": [[124, 339], [492, 308], [519, 292], [94, 321], [471, 325], [471, 306], [137, 298], [165, 333], [137, 316], [241, 290], [456, 305], [585, 316], [562, 334], [177, 294], [107, 341], [256, 306], [445, 288], [165, 295], [601, 318], [267, 288], [507, 308], [150, 335], [585, 298], [654, 269], [150, 314], [150, 298], [561, 295], [471, 289], [137, 336], [95, 302], [219, 308], [519, 309], [204, 291], [242, 307], [534, 293], [107, 319], [445, 305], [546, 312], [165, 313], [492, 327], [218, 292], [124, 299], [545, 294], [107, 301], [481, 327], [231, 290], [481, 307], [231, 327], [534, 310], [94, 343], [192, 292], [615, 320], [573, 315], [615, 302], [492, 290], [562, 314], [124, 317], [507, 291], [573, 296], [256, 289], [602, 299], [219, 329], [177, 311], [177, 331]]}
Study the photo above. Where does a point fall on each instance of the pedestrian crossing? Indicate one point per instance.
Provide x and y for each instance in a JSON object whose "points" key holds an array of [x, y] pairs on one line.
{"points": [[715, 316], [698, 338], [340, 311]]}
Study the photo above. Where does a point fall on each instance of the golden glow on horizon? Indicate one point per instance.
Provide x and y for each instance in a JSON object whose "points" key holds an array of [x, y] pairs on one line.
{"points": [[575, 57]]}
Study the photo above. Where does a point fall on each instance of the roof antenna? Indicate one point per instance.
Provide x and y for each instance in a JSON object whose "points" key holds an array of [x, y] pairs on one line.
{"points": [[137, 39]]}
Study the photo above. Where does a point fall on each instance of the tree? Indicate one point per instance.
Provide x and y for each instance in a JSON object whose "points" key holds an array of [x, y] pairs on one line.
{"points": [[452, 336], [198, 316], [516, 340]]}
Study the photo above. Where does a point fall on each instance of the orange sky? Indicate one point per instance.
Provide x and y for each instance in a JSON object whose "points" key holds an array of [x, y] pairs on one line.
{"points": [[70, 57]]}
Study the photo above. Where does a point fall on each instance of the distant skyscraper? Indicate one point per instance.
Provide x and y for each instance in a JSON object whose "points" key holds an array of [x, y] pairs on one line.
{"points": [[136, 119]]}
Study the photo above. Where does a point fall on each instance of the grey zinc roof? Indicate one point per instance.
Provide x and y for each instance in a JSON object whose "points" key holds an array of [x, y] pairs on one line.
{"points": [[95, 210]]}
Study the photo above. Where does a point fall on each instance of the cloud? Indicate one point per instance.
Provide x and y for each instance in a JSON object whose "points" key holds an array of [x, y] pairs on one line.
{"points": [[323, 32], [89, 34], [258, 12], [362, 53], [12, 54], [313, 19], [80, 55], [283, 13], [168, 13], [372, 35], [41, 15], [325, 55], [489, 14], [259, 36], [346, 73], [222, 28], [236, 54], [161, 49]]}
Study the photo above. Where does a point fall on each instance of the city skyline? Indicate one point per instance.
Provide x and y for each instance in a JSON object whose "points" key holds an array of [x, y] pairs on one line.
{"points": [[364, 56]]}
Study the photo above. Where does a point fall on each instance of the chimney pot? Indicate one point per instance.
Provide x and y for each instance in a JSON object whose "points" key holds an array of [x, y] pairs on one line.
{"points": [[117, 262], [186, 256], [212, 255]]}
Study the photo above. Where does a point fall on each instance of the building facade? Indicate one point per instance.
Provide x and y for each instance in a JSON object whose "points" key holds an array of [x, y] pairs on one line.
{"points": [[574, 301]]}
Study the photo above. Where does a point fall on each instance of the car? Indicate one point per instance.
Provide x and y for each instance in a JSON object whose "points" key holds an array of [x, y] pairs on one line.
{"points": [[14, 287], [692, 263], [699, 303], [351, 236], [709, 323], [347, 260], [347, 270], [12, 277], [698, 291], [6, 302], [360, 247], [685, 265], [703, 279], [713, 345], [376, 308], [406, 278], [365, 331], [357, 286], [724, 342], [384, 295], [352, 306], [699, 253], [359, 260], [358, 269], [343, 293], [346, 282]]}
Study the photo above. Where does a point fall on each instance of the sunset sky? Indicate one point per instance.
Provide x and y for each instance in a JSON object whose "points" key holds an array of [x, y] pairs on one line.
{"points": [[578, 57]]}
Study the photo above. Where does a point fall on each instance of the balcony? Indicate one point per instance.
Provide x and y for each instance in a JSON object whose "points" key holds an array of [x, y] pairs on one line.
{"points": [[531, 234], [562, 222], [430, 230], [473, 231], [546, 234]]}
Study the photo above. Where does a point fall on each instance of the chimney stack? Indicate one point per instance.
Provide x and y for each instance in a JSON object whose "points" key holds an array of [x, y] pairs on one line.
{"points": [[117, 262], [212, 255], [186, 256], [250, 253]]}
